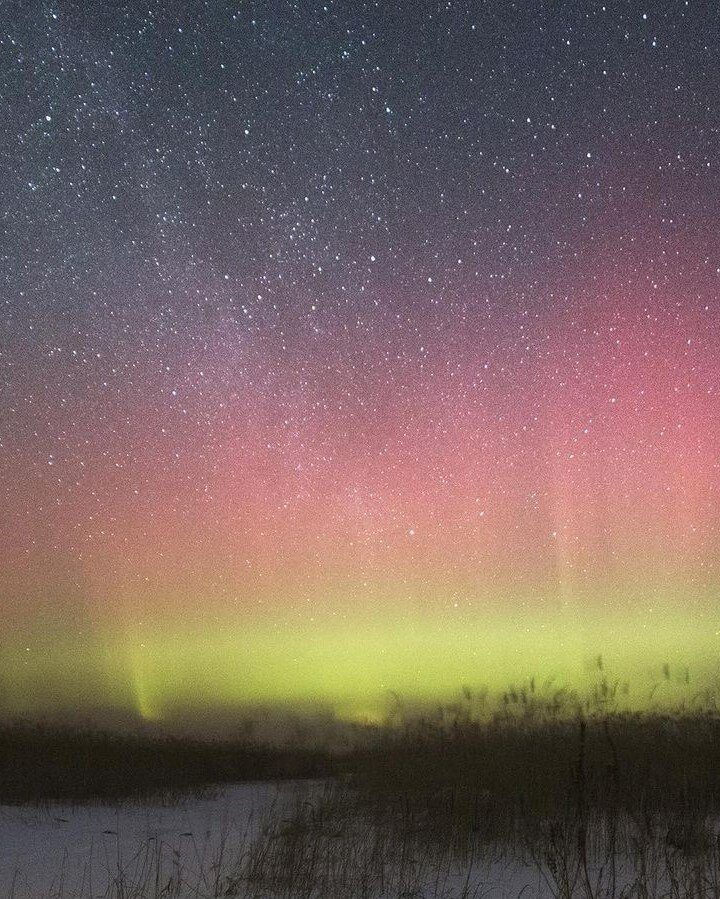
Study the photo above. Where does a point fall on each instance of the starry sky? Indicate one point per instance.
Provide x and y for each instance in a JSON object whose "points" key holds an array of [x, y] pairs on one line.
{"points": [[349, 348]]}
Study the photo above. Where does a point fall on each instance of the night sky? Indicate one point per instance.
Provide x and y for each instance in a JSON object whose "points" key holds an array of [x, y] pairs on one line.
{"points": [[355, 347]]}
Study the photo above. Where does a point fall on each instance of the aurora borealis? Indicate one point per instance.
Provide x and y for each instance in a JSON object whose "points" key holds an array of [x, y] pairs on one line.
{"points": [[358, 349]]}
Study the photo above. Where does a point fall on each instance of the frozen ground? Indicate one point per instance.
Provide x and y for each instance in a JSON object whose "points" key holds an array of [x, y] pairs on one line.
{"points": [[195, 848], [184, 849], [101, 850]]}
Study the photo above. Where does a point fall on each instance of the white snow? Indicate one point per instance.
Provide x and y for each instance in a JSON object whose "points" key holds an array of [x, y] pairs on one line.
{"points": [[84, 850], [193, 848]]}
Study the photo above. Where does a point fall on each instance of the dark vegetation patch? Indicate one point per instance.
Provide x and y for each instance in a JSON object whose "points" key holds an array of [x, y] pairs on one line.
{"points": [[48, 764]]}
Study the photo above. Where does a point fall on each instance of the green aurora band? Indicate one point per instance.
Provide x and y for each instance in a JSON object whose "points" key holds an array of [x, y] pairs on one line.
{"points": [[362, 667]]}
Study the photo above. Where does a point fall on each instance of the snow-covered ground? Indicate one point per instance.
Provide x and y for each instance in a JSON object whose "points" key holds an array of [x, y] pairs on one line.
{"points": [[98, 850], [195, 848], [182, 849]]}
